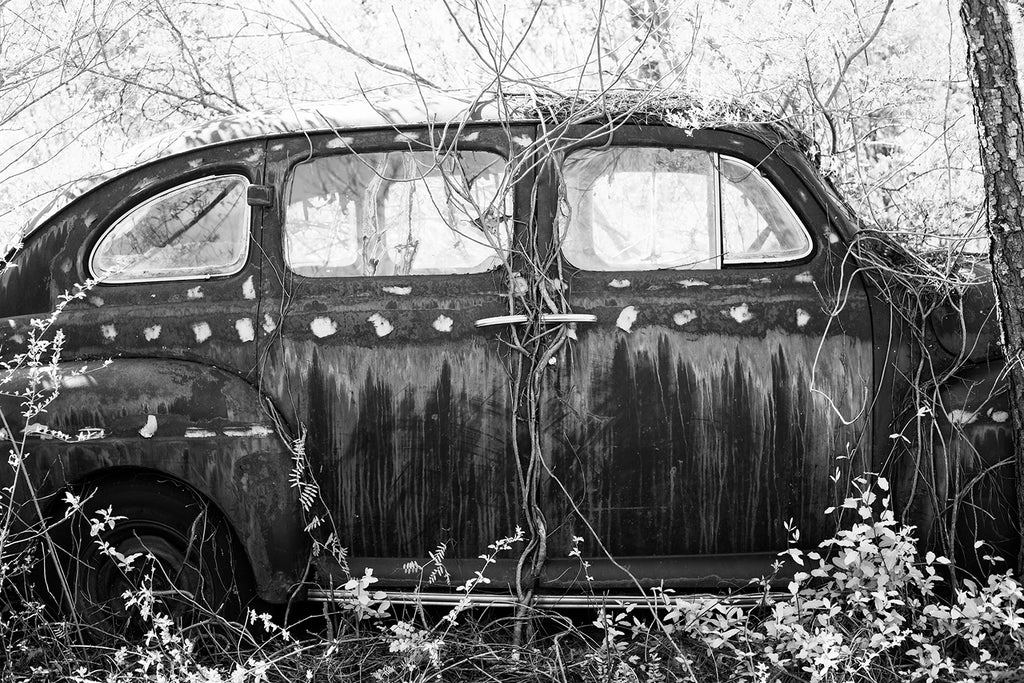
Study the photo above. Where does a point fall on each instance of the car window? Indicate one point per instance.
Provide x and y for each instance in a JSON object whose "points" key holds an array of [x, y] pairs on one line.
{"points": [[757, 223], [397, 213], [639, 209], [648, 208], [199, 229]]}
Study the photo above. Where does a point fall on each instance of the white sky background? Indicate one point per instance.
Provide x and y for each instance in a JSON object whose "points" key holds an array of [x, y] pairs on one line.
{"points": [[905, 150]]}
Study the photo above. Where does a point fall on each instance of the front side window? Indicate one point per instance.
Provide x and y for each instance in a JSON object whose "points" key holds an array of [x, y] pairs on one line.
{"points": [[650, 208], [397, 213], [757, 223], [197, 230], [639, 209]]}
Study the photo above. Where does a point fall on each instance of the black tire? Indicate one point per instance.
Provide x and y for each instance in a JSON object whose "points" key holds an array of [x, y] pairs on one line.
{"points": [[199, 568]]}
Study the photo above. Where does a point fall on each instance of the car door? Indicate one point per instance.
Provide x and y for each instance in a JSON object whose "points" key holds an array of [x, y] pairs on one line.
{"points": [[388, 249], [719, 385]]}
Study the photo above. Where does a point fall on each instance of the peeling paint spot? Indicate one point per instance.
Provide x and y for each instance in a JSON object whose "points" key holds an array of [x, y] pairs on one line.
{"points": [[804, 277], [381, 325], [741, 313], [475, 135], [246, 331], [252, 158], [443, 323], [277, 147], [254, 430], [96, 301], [522, 140], [151, 333], [197, 433], [519, 285], [195, 163], [11, 324], [149, 429], [998, 415], [109, 332], [619, 284], [802, 317], [832, 237], [761, 281], [269, 324], [398, 291], [626, 318], [322, 326], [340, 142], [195, 293], [570, 331], [202, 331], [248, 290], [691, 283], [683, 317], [17, 339], [558, 285], [407, 136], [962, 417]]}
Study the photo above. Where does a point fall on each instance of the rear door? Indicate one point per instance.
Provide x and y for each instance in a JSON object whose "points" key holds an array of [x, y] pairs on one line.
{"points": [[716, 390], [386, 249]]}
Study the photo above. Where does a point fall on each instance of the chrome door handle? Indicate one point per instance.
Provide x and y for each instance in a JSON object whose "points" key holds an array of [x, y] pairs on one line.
{"points": [[558, 318], [546, 318], [502, 320]]}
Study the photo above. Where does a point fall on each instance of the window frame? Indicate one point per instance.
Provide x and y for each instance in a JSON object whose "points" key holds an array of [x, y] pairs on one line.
{"points": [[751, 168], [153, 199], [720, 263], [404, 141]]}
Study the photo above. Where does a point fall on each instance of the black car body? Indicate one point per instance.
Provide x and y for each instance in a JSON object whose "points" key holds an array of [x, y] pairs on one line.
{"points": [[710, 389]]}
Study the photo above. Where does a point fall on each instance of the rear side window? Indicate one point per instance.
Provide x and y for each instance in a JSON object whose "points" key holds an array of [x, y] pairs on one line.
{"points": [[648, 208], [397, 213], [196, 230]]}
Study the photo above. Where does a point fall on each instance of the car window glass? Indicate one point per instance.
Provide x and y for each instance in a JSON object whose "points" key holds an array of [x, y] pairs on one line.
{"points": [[757, 223], [197, 230], [639, 208], [397, 213]]}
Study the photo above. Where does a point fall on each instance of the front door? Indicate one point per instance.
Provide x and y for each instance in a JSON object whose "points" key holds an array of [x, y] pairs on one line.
{"points": [[716, 390]]}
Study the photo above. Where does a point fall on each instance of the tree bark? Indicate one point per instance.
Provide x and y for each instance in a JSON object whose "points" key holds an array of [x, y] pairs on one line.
{"points": [[992, 68]]}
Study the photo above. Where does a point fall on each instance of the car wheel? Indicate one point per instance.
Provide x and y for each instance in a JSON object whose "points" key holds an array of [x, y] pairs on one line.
{"points": [[185, 553]]}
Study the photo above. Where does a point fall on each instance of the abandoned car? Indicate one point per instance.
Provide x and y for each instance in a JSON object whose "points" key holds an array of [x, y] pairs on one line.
{"points": [[383, 336]]}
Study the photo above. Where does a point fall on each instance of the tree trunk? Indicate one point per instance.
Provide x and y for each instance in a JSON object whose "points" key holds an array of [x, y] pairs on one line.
{"points": [[992, 68]]}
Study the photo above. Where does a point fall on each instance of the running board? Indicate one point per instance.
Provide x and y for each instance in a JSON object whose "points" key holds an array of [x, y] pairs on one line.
{"points": [[572, 601]]}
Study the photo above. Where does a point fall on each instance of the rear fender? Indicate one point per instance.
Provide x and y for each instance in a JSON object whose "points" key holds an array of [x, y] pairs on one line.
{"points": [[197, 424]]}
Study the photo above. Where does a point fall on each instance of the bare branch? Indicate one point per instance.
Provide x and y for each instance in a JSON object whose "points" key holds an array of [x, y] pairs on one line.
{"points": [[845, 66]]}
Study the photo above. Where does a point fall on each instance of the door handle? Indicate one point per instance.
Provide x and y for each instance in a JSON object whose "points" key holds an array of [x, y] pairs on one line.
{"points": [[558, 318], [502, 320], [546, 318]]}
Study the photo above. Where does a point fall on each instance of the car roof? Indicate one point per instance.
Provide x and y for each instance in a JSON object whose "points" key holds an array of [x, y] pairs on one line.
{"points": [[307, 117], [365, 112]]}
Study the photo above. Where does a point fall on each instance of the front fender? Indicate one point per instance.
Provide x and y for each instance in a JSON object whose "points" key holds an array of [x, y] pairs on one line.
{"points": [[968, 482], [198, 424]]}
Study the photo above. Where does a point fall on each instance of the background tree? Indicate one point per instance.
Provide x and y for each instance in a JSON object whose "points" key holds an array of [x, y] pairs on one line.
{"points": [[993, 73]]}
